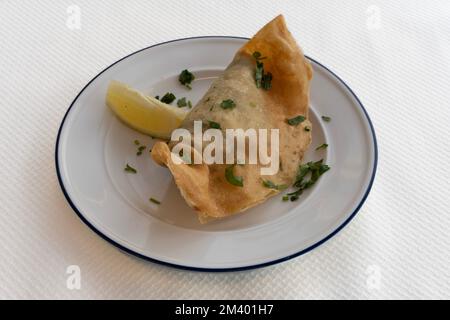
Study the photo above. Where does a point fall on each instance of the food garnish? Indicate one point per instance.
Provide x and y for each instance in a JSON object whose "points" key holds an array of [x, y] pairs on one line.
{"points": [[140, 149], [269, 184], [231, 178], [295, 120], [144, 113], [182, 102], [322, 146], [262, 80], [185, 78], [168, 98], [130, 169], [154, 201], [227, 104], [315, 169], [213, 124]]}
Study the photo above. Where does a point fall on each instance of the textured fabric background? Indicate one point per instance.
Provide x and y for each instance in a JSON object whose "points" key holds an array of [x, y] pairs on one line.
{"points": [[394, 54]]}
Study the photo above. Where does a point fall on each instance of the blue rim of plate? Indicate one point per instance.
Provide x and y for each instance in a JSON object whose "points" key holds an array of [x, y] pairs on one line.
{"points": [[261, 265]]}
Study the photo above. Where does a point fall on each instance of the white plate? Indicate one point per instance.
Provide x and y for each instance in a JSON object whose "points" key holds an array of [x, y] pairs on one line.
{"points": [[93, 147]]}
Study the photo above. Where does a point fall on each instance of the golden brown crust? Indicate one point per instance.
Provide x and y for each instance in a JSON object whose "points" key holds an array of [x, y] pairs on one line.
{"points": [[204, 186], [285, 60]]}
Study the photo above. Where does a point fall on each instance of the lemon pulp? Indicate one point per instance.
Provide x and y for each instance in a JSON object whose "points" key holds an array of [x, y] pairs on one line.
{"points": [[143, 113]]}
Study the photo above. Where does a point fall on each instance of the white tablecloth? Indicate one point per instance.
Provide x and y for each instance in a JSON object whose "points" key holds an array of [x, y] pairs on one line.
{"points": [[394, 54]]}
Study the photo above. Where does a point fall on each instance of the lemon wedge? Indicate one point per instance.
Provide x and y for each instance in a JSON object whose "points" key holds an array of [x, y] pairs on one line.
{"points": [[143, 113]]}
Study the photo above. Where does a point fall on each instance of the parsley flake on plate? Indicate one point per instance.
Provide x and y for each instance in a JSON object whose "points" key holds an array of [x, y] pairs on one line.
{"points": [[295, 120], [186, 77]]}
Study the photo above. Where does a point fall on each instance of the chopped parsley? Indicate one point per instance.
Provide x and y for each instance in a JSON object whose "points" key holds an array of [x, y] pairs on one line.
{"points": [[168, 98], [227, 104], [295, 120], [214, 125], [136, 142], [186, 78], [157, 97], [322, 146], [257, 56], [130, 169], [266, 81], [326, 118], [262, 80], [269, 184], [307, 128], [259, 72], [182, 102], [285, 198], [315, 169], [231, 178], [140, 149], [154, 201]]}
